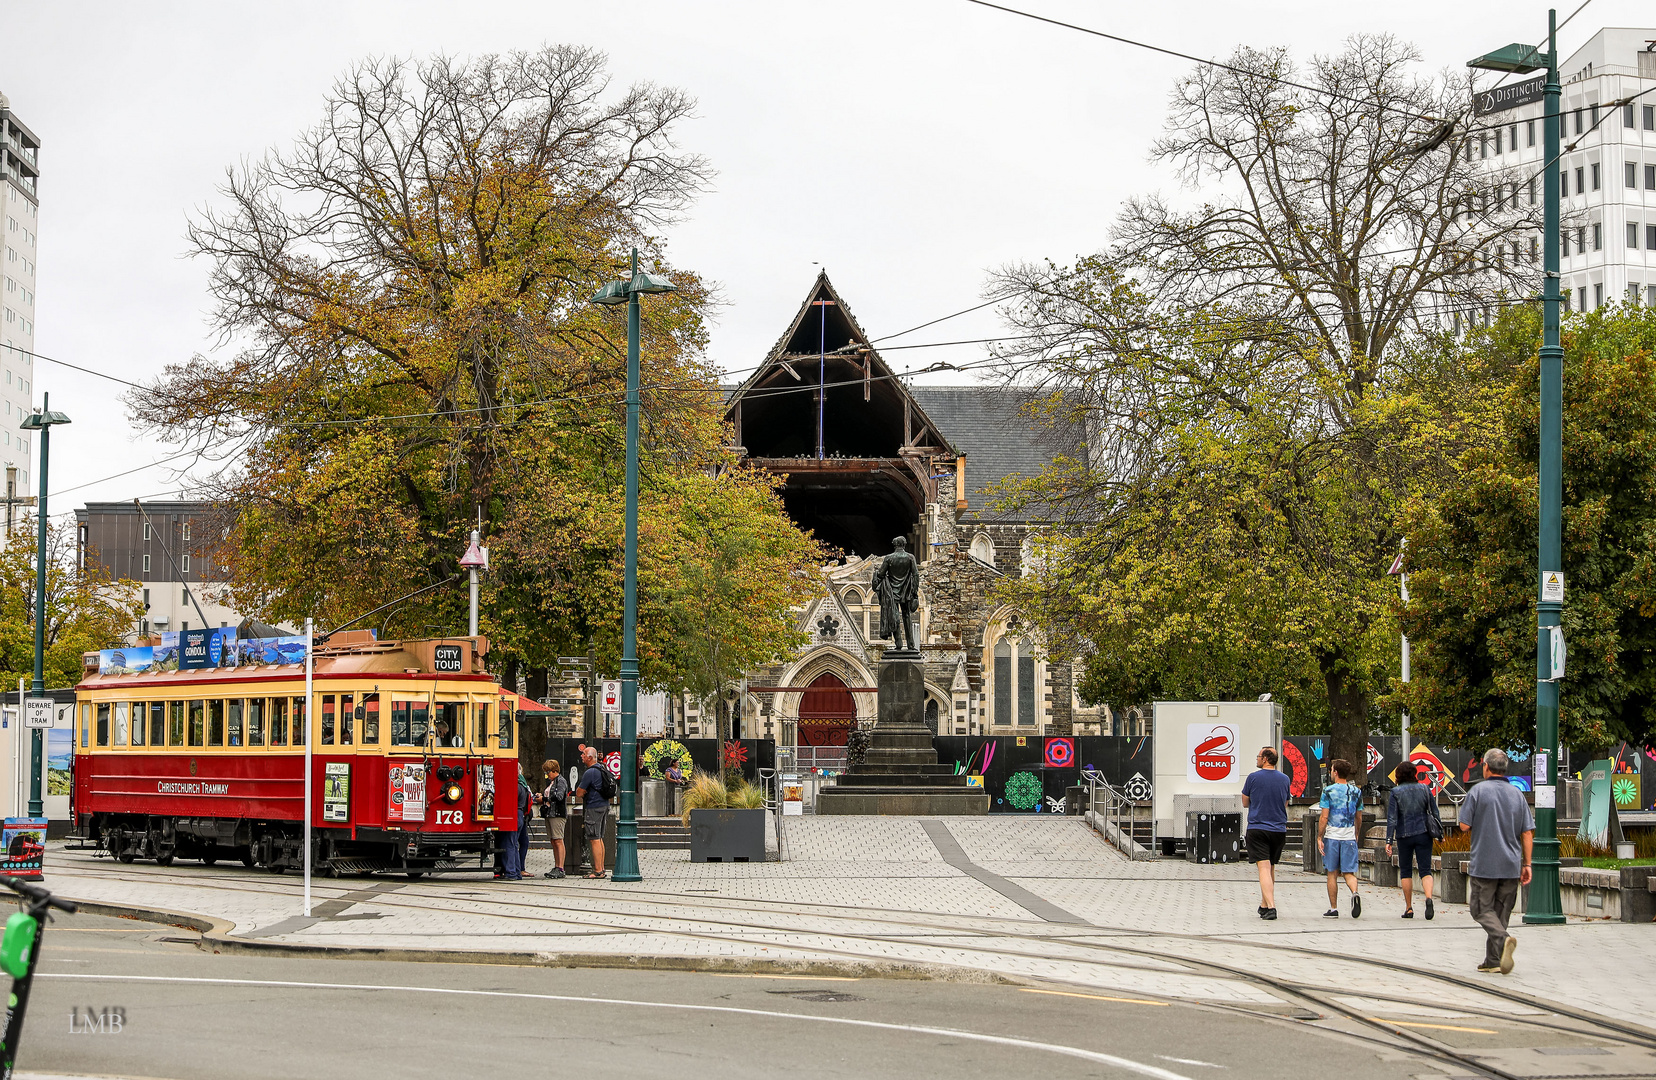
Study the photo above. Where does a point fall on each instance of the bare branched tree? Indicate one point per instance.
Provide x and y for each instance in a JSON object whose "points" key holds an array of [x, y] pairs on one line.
{"points": [[1224, 354]]}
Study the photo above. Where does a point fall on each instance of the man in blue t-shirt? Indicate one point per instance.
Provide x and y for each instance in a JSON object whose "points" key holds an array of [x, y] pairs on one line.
{"points": [[594, 808], [1342, 803], [1265, 794]]}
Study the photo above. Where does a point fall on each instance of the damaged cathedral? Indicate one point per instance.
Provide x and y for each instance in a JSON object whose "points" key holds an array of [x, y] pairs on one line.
{"points": [[867, 458]]}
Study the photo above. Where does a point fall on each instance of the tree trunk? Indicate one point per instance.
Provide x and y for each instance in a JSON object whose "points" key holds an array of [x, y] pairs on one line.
{"points": [[1348, 711]]}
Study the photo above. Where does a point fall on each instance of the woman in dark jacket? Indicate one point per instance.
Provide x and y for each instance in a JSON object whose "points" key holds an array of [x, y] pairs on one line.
{"points": [[1412, 824]]}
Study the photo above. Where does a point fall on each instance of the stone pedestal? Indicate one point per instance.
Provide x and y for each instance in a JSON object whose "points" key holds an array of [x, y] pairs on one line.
{"points": [[900, 774]]}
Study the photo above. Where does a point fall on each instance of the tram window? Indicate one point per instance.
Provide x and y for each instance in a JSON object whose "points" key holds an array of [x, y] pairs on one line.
{"points": [[278, 721], [451, 724], [347, 719], [121, 708], [327, 719], [505, 726], [215, 722], [483, 726], [198, 723], [175, 723], [137, 723], [255, 721], [103, 725], [86, 722], [399, 724], [419, 718], [298, 725], [157, 723], [370, 719], [233, 713]]}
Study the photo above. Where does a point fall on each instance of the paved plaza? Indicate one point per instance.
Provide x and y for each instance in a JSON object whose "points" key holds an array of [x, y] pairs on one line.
{"points": [[1037, 900]]}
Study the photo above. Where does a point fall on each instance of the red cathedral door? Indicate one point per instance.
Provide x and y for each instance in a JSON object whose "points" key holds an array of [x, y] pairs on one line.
{"points": [[826, 712]]}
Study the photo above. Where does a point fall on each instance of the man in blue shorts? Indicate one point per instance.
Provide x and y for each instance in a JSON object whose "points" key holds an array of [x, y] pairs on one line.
{"points": [[1265, 794], [1342, 802]]}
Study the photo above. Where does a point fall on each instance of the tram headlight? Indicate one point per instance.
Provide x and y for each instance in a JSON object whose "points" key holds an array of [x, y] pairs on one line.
{"points": [[452, 792]]}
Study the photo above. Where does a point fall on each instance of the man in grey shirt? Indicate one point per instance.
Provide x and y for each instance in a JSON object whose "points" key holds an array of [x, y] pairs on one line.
{"points": [[1503, 833]]}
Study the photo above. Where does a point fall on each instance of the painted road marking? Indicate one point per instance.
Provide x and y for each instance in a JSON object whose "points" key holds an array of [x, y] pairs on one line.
{"points": [[756, 975], [1096, 997], [1434, 1027], [1129, 1064], [1192, 1061]]}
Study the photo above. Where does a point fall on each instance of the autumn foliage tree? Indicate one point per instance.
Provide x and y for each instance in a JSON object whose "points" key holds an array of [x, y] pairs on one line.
{"points": [[403, 297]]}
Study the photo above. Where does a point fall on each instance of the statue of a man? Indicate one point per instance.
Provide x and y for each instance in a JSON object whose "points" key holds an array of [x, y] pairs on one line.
{"points": [[897, 583]]}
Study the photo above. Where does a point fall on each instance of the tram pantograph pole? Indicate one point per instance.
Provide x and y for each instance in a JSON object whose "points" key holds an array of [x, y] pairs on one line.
{"points": [[310, 670]]}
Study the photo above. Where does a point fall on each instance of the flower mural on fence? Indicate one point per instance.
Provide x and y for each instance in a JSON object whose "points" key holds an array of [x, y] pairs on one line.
{"points": [[664, 752], [1023, 791]]}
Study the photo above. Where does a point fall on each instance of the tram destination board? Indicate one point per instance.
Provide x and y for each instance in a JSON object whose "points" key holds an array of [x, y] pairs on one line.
{"points": [[447, 659]]}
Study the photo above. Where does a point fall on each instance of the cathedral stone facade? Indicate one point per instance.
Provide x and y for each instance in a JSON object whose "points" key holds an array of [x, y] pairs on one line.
{"points": [[868, 458]]}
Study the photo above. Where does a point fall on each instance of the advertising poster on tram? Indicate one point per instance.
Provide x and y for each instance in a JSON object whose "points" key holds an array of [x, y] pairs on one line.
{"points": [[336, 791], [408, 793], [485, 792]]}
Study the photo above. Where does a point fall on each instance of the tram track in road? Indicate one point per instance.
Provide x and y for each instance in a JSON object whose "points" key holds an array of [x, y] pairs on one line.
{"points": [[921, 929]]}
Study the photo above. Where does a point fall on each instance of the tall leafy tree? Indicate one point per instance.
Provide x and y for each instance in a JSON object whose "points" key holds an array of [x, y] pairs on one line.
{"points": [[404, 298], [1472, 559], [1230, 360]]}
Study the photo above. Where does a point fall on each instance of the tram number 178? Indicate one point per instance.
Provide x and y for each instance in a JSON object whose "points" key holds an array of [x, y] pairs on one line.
{"points": [[451, 817]]}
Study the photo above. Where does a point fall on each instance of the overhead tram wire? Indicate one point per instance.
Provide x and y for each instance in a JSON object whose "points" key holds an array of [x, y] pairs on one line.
{"points": [[1210, 63], [67, 364]]}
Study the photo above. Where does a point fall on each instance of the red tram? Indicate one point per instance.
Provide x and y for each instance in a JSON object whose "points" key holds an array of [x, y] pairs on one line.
{"points": [[413, 767]]}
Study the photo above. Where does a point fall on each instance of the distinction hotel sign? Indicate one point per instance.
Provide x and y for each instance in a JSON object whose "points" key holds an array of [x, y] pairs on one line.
{"points": [[1502, 98]]}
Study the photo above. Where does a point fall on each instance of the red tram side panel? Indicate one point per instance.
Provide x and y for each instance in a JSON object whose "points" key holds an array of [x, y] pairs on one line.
{"points": [[407, 761]]}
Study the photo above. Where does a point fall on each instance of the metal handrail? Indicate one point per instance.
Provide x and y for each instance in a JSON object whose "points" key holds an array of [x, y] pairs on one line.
{"points": [[1117, 812]]}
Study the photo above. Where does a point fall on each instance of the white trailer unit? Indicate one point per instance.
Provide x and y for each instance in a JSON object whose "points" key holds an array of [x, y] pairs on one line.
{"points": [[1204, 750]]}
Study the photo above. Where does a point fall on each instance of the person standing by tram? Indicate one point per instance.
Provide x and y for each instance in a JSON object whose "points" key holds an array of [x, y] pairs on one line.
{"points": [[526, 815], [555, 811]]}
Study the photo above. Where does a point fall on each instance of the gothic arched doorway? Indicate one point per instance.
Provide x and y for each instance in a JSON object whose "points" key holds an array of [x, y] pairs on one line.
{"points": [[826, 712]]}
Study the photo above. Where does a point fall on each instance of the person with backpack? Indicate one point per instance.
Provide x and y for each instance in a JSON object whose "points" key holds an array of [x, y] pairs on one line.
{"points": [[1412, 823], [554, 810], [595, 791]]}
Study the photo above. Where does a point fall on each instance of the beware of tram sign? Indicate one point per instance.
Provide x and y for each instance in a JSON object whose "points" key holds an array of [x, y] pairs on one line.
{"points": [[37, 712]]}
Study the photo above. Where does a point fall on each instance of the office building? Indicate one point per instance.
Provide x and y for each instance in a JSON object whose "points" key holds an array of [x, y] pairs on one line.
{"points": [[20, 219]]}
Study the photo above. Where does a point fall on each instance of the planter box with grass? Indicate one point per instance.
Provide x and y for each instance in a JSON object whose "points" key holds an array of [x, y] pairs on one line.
{"points": [[727, 835]]}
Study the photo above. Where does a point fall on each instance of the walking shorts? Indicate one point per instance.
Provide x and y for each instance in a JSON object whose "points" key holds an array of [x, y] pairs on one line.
{"points": [[1415, 849], [1264, 846], [1340, 856], [593, 819]]}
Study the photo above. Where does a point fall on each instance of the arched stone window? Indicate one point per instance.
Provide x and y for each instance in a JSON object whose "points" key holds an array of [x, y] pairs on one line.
{"points": [[1016, 686], [983, 549], [857, 604]]}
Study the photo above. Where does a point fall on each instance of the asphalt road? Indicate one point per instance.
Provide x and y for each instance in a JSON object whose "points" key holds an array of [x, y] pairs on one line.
{"points": [[189, 1013]]}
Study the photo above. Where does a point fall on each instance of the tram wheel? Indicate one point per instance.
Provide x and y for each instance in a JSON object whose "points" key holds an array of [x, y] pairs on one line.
{"points": [[247, 858], [416, 875], [275, 869], [164, 860], [124, 857], [209, 859]]}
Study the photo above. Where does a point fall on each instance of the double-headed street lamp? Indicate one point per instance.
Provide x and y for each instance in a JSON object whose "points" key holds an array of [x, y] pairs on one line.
{"points": [[1545, 904], [626, 832], [42, 422]]}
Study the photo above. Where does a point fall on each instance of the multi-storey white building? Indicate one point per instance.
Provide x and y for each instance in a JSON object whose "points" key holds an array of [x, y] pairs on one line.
{"points": [[20, 222], [1607, 168]]}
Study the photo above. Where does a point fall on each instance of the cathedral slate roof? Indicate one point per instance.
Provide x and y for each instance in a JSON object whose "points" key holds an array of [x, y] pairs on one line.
{"points": [[985, 424]]}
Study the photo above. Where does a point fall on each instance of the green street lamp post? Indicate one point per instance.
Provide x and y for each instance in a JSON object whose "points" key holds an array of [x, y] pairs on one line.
{"points": [[626, 831], [42, 422], [1545, 904]]}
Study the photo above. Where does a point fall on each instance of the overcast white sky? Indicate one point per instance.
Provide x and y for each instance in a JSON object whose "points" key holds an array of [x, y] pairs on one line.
{"points": [[906, 145]]}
